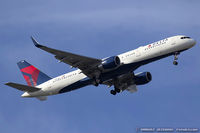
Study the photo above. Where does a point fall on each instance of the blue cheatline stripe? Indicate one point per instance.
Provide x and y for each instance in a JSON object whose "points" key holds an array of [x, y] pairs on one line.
{"points": [[79, 84]]}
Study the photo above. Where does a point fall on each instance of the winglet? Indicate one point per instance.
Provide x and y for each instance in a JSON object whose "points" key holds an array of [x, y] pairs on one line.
{"points": [[35, 42]]}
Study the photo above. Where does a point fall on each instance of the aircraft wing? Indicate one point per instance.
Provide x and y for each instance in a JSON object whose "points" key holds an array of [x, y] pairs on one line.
{"points": [[86, 64], [22, 87]]}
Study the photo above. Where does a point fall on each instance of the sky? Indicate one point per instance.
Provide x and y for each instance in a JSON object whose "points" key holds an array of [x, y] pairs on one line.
{"points": [[99, 28]]}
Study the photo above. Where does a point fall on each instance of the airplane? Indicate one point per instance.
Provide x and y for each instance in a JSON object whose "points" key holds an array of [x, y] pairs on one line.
{"points": [[117, 71]]}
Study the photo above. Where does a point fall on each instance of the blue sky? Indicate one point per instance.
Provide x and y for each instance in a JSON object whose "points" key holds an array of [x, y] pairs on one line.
{"points": [[99, 29]]}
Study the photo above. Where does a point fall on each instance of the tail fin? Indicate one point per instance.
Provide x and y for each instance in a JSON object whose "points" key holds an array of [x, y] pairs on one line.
{"points": [[32, 75]]}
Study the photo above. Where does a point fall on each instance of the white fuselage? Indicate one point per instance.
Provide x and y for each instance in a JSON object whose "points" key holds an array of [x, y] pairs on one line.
{"points": [[153, 50]]}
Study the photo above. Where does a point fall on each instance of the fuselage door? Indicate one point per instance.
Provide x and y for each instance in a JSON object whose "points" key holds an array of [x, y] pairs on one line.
{"points": [[173, 41], [137, 52]]}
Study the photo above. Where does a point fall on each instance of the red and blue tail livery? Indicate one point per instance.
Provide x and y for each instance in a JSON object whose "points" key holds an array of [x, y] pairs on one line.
{"points": [[32, 75]]}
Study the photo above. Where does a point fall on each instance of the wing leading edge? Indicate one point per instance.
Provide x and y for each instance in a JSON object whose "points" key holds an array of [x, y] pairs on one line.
{"points": [[88, 65]]}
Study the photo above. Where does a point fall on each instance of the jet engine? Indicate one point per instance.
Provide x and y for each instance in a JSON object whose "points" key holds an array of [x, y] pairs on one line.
{"points": [[110, 63], [142, 78]]}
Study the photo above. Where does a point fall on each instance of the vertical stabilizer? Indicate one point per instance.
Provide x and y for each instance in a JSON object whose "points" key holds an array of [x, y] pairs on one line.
{"points": [[32, 75]]}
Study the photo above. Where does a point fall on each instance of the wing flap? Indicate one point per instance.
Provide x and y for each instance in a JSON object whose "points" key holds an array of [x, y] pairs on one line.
{"points": [[132, 88], [22, 87], [42, 98]]}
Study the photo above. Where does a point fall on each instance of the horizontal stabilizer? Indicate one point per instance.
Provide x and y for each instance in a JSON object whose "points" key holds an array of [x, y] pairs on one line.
{"points": [[22, 87]]}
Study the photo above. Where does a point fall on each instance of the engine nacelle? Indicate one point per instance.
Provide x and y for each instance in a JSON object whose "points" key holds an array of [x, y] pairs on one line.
{"points": [[142, 78], [110, 63]]}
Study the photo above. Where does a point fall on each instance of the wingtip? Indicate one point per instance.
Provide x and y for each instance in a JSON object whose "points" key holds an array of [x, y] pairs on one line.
{"points": [[8, 83], [35, 42]]}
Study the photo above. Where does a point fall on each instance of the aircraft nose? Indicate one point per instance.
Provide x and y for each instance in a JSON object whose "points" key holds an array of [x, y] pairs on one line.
{"points": [[193, 42]]}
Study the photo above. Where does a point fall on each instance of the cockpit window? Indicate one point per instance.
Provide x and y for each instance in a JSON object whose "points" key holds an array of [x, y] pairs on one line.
{"points": [[185, 37]]}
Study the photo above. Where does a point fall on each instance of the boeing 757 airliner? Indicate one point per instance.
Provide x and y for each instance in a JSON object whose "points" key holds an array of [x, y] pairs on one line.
{"points": [[117, 71]]}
